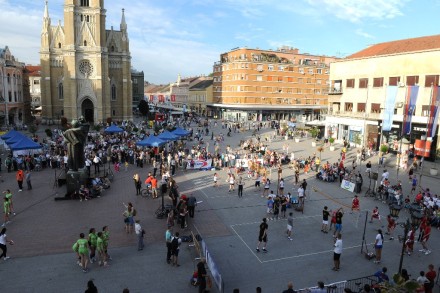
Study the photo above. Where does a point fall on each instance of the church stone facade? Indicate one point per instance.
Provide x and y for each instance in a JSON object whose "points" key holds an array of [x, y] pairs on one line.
{"points": [[85, 69]]}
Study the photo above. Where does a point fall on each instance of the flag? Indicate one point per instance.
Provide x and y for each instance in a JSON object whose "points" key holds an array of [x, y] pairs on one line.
{"points": [[160, 98], [433, 112], [389, 108], [173, 98], [408, 111]]}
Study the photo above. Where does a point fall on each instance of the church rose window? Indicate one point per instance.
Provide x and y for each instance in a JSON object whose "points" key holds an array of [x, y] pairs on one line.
{"points": [[86, 68]]}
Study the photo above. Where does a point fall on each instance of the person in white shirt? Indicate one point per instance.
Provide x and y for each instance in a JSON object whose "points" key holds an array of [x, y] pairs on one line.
{"points": [[301, 195], [337, 252], [281, 187], [385, 175], [271, 195], [139, 234], [96, 161]]}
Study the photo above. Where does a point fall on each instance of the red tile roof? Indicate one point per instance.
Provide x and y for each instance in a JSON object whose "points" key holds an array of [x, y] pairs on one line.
{"points": [[400, 46], [33, 70]]}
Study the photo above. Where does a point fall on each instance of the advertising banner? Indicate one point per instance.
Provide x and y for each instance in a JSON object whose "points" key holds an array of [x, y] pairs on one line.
{"points": [[198, 165], [422, 147], [347, 185]]}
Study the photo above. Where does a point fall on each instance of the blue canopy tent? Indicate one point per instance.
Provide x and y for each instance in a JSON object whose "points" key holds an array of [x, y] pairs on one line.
{"points": [[10, 134], [113, 129], [17, 136], [24, 143], [180, 132], [151, 141], [168, 136]]}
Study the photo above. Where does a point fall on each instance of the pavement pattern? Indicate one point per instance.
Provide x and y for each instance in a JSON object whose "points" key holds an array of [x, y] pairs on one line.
{"points": [[44, 230]]}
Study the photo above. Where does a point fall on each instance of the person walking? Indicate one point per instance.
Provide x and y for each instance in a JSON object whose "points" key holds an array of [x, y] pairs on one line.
{"points": [[175, 247], [168, 239], [96, 163], [93, 238], [191, 204], [430, 275], [81, 246], [19, 176], [139, 234], [3, 242], [7, 211], [337, 253], [391, 226], [262, 236], [425, 238], [8, 195], [215, 180], [375, 215], [128, 214], [28, 179], [378, 246], [325, 215], [289, 226], [240, 186], [100, 249], [355, 206]]}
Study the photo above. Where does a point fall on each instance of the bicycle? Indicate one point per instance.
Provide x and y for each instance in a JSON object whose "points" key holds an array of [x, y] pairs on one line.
{"points": [[147, 191]]}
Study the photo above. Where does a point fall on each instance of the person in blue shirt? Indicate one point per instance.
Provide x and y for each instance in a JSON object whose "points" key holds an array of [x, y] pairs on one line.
{"points": [[382, 275]]}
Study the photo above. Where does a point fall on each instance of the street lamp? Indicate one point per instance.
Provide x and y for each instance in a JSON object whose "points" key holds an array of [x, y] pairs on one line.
{"points": [[416, 219]]}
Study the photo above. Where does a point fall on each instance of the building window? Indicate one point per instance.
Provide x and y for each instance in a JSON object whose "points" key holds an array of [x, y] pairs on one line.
{"points": [[300, 80], [59, 45], [87, 18], [310, 71], [319, 71], [10, 96], [431, 80], [270, 67], [36, 81], [85, 43], [425, 110], [9, 78], [280, 78], [394, 80], [113, 92], [318, 81], [114, 112], [60, 91], [113, 48], [363, 83], [361, 107], [269, 78], [298, 91], [301, 70], [309, 80], [348, 107], [290, 79], [412, 80], [280, 68], [62, 112], [84, 3], [375, 108], [378, 82], [350, 83]]}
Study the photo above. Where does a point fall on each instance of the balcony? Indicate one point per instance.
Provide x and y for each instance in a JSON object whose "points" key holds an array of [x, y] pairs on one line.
{"points": [[359, 115], [335, 91]]}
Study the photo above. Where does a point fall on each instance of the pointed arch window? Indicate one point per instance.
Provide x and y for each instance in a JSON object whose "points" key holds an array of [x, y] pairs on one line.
{"points": [[59, 45], [87, 18], [113, 48], [113, 92], [85, 43], [85, 3], [60, 91], [9, 78]]}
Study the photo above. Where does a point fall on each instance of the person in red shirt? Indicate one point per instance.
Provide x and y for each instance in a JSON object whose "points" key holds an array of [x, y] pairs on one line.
{"points": [[419, 197], [425, 238], [391, 226], [430, 275], [375, 215], [153, 181], [355, 204], [20, 176]]}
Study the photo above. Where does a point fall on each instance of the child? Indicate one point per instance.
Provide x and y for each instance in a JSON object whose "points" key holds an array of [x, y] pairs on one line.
{"points": [[333, 220], [126, 166], [375, 215], [215, 180], [116, 167]]}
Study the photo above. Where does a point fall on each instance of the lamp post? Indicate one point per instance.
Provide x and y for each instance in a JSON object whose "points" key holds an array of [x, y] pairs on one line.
{"points": [[416, 219]]}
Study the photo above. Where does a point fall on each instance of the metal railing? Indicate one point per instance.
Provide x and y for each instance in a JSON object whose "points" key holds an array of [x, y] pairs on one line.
{"points": [[338, 287]]}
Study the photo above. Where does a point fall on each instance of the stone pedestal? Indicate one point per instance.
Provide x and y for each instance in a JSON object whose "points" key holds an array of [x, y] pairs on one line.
{"points": [[74, 179]]}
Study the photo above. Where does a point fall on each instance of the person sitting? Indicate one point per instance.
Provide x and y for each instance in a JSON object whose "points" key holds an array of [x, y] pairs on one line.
{"points": [[382, 275], [96, 187], [375, 215]]}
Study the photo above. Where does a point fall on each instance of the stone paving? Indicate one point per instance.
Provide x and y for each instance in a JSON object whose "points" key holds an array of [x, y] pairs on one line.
{"points": [[44, 231]]}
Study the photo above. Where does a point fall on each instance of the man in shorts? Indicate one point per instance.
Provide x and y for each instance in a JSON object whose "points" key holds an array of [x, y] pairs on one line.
{"points": [[262, 236], [257, 182], [289, 226], [337, 253], [338, 225], [425, 238]]}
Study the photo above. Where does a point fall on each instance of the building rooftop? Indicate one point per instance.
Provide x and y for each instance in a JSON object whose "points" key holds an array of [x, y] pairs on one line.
{"points": [[399, 47], [33, 70], [202, 85]]}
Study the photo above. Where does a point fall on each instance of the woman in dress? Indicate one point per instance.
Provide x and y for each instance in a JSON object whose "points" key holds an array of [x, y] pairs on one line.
{"points": [[81, 246]]}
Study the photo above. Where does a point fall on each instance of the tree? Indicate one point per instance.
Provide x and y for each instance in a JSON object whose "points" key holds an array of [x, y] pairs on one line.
{"points": [[143, 107]]}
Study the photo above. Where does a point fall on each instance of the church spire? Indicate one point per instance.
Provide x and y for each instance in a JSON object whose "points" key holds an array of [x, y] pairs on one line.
{"points": [[123, 23], [46, 10]]}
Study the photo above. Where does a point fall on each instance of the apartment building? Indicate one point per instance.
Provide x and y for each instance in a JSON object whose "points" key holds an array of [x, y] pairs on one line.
{"points": [[11, 89], [359, 88], [200, 95], [33, 74], [282, 84]]}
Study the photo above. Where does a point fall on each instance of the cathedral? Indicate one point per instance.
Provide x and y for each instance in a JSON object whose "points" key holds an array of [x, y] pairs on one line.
{"points": [[85, 69]]}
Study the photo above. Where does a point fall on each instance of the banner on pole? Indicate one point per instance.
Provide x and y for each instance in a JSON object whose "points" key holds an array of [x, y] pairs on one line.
{"points": [[389, 108], [422, 148], [433, 112], [410, 104]]}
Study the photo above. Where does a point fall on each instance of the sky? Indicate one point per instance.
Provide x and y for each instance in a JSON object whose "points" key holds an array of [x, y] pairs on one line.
{"points": [[171, 37]]}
